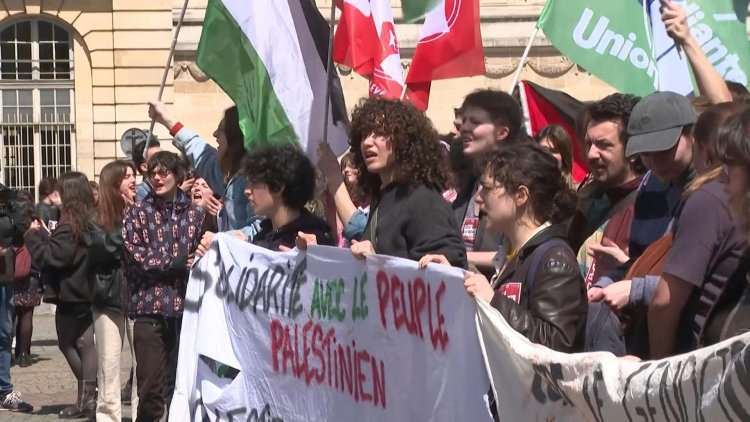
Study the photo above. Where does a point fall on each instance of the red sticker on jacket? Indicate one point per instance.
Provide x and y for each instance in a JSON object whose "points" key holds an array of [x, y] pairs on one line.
{"points": [[590, 275], [512, 291]]}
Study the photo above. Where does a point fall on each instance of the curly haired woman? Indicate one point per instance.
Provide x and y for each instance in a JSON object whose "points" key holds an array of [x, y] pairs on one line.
{"points": [[403, 167]]}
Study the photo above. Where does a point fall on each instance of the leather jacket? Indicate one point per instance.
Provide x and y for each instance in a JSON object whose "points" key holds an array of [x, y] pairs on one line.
{"points": [[553, 313], [107, 277]]}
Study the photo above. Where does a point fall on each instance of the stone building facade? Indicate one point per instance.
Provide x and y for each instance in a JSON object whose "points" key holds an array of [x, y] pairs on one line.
{"points": [[75, 74]]}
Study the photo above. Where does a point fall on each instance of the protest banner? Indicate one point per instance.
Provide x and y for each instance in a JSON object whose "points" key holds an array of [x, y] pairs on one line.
{"points": [[534, 383], [321, 336]]}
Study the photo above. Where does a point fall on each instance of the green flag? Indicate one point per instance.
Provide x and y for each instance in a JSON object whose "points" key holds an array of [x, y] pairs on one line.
{"points": [[625, 44]]}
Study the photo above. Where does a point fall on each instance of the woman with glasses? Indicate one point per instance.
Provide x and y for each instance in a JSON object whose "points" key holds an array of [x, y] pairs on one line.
{"points": [[537, 285], [161, 234], [731, 315], [706, 250]]}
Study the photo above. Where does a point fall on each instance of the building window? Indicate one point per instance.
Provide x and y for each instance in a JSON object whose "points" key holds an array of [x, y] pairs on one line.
{"points": [[37, 133]]}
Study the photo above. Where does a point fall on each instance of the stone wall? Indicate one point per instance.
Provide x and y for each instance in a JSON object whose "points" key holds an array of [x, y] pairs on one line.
{"points": [[120, 48]]}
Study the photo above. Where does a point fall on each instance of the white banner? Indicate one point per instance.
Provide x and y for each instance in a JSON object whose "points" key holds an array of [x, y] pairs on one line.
{"points": [[534, 383], [323, 337]]}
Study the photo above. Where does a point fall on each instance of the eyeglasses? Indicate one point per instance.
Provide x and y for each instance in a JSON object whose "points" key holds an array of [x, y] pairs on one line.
{"points": [[163, 173]]}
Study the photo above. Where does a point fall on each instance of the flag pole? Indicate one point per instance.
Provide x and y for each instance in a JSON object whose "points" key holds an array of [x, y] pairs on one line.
{"points": [[329, 70], [167, 67], [403, 92], [522, 63]]}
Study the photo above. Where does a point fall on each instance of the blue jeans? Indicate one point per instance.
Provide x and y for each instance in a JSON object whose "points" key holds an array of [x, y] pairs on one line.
{"points": [[7, 310]]}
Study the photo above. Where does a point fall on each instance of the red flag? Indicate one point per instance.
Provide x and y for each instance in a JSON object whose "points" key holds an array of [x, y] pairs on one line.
{"points": [[366, 41], [450, 46], [543, 107]]}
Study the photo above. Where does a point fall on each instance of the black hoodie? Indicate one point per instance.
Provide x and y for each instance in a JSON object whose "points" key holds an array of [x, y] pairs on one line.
{"points": [[285, 235]]}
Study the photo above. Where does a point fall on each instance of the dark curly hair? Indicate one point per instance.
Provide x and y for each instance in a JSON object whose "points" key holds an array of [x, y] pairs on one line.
{"points": [[285, 169], [612, 108], [169, 161], [501, 106], [419, 156], [527, 164]]}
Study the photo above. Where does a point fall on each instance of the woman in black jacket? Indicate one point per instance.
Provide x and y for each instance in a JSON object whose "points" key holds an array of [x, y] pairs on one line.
{"points": [[64, 257], [403, 166], [538, 287], [108, 284]]}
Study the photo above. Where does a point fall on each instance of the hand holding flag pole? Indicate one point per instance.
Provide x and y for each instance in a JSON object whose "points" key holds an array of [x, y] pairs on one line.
{"points": [[667, 5], [167, 68]]}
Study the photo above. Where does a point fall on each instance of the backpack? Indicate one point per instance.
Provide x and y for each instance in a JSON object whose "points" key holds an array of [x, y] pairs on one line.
{"points": [[13, 225]]}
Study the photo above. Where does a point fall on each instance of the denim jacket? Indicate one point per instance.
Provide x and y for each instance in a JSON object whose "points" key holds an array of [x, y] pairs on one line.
{"points": [[237, 214], [355, 227]]}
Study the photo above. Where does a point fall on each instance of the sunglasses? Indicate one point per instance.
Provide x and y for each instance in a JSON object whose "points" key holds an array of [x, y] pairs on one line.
{"points": [[163, 173]]}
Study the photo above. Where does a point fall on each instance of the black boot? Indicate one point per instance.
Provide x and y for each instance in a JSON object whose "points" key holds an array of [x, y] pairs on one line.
{"points": [[89, 399], [75, 411], [24, 360]]}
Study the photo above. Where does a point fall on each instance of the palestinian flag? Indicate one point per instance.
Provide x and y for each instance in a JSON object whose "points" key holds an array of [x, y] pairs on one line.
{"points": [[543, 107], [270, 58]]}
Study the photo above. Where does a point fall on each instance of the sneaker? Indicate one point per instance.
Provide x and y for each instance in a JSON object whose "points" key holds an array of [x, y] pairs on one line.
{"points": [[13, 402]]}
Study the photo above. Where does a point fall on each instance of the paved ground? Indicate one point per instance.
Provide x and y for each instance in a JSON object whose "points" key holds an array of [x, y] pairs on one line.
{"points": [[48, 384]]}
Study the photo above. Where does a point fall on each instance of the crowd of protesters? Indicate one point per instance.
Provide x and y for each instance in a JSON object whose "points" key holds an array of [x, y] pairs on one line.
{"points": [[646, 258]]}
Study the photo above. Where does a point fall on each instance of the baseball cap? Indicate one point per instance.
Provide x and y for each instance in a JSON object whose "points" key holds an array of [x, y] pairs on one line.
{"points": [[656, 122]]}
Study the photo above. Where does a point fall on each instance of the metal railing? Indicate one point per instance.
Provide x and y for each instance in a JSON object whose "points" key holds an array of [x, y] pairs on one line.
{"points": [[31, 150]]}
